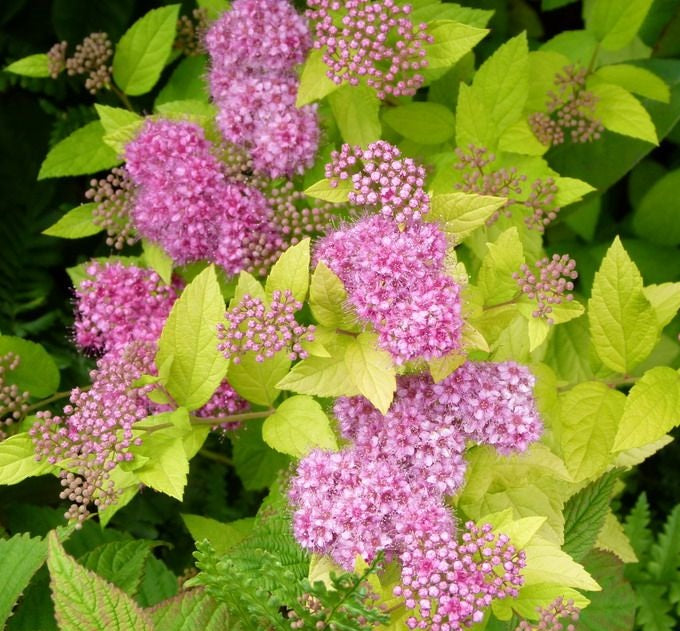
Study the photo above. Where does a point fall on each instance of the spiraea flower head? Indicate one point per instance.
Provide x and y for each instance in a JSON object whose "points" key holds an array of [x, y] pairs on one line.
{"points": [[91, 57], [371, 40], [382, 179], [559, 615], [252, 326], [13, 400], [224, 402], [118, 304], [115, 197], [56, 59], [549, 283], [396, 281]]}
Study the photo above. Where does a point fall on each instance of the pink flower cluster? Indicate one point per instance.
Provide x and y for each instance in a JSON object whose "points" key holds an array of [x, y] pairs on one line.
{"points": [[264, 330], [254, 49], [559, 615], [373, 40], [396, 281], [118, 304], [382, 179], [184, 202]]}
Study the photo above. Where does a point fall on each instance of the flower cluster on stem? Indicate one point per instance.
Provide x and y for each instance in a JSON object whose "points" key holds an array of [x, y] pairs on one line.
{"points": [[559, 615], [115, 199], [13, 400]]}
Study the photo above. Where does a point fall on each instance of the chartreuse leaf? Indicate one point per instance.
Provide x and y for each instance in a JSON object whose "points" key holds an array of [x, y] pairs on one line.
{"points": [[451, 42], [298, 426], [655, 217], [143, 50], [314, 83], [584, 516], [665, 300], [188, 361], [616, 23], [291, 272], [222, 536], [328, 299], [75, 224], [533, 597], [652, 409], [422, 122], [504, 257], [20, 559], [119, 562], [167, 466], [636, 80], [371, 370], [355, 109], [570, 190], [31, 66], [214, 7], [247, 284], [521, 531], [636, 455], [81, 153], [258, 381], [474, 125], [17, 460], [120, 126], [460, 214], [192, 610], [84, 601], [36, 373], [619, 111], [589, 418], [502, 82], [623, 325], [335, 194], [186, 82], [612, 538], [157, 259]]}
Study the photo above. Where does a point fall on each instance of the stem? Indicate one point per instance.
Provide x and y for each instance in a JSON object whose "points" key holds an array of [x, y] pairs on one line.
{"points": [[625, 380], [507, 303], [122, 97], [343, 332], [217, 457], [55, 397], [591, 63], [197, 421]]}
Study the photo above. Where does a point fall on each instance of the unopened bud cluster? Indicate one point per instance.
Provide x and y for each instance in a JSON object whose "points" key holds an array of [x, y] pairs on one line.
{"points": [[550, 283], [13, 400], [91, 58], [371, 40], [115, 197], [56, 59], [559, 615], [478, 177], [313, 605], [571, 109], [191, 32], [264, 330]]}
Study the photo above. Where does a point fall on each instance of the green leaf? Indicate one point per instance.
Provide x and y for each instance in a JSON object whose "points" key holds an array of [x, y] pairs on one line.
{"points": [[371, 370], [31, 66], [623, 325], [570, 190], [85, 602], [17, 460], [323, 190], [328, 299], [81, 153], [636, 527], [191, 610], [665, 300], [158, 583], [247, 284], [221, 536], [613, 539], [119, 562], [75, 224], [194, 109], [547, 564], [655, 218], [589, 417], [120, 126], [214, 8], [291, 271], [460, 214], [355, 109], [20, 559], [256, 464], [452, 41], [474, 125], [144, 49], [425, 123], [619, 111], [584, 516], [636, 80], [168, 466], [652, 409], [653, 608], [298, 426], [187, 81], [502, 82], [314, 83], [36, 373], [533, 597], [188, 361], [258, 381], [156, 258], [616, 23], [504, 257], [665, 553]]}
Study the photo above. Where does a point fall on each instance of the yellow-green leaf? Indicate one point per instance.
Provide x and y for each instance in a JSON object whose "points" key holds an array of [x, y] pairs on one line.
{"points": [[355, 109], [291, 272], [314, 83], [32, 66], [460, 214], [258, 381], [75, 224], [324, 190], [328, 299], [637, 80], [17, 460], [452, 41], [423, 122]]}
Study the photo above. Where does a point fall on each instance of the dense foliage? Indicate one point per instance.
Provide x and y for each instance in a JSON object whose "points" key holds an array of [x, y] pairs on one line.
{"points": [[340, 315]]}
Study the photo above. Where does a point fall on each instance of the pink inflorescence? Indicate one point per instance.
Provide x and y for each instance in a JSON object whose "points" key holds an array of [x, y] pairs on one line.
{"points": [[549, 284], [184, 202], [396, 281], [118, 304], [373, 40], [224, 402], [95, 432], [381, 179], [559, 615], [254, 49], [449, 583], [263, 329]]}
